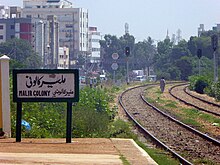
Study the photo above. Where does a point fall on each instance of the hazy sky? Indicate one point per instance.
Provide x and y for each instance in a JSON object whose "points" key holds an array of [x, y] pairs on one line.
{"points": [[147, 17]]}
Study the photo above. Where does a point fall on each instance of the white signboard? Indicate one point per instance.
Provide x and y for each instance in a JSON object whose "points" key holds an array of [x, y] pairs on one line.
{"points": [[115, 56], [114, 66], [46, 85]]}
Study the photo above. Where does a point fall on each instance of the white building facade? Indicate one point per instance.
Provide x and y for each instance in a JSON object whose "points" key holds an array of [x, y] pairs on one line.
{"points": [[63, 58], [72, 23], [94, 45]]}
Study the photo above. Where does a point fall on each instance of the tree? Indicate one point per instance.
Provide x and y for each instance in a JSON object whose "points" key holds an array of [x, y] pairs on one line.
{"points": [[111, 44], [179, 50], [185, 66], [204, 43], [21, 54], [144, 54]]}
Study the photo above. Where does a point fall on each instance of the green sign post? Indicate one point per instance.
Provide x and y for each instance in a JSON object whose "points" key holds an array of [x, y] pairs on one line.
{"points": [[45, 85]]}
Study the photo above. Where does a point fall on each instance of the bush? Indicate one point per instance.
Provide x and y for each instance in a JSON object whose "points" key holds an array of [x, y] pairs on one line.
{"points": [[198, 83], [91, 116], [120, 129], [214, 90], [205, 84], [200, 86], [90, 123]]}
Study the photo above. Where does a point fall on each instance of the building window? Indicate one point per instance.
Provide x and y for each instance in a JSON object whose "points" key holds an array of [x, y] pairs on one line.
{"points": [[69, 25], [1, 27], [1, 37], [28, 16], [12, 36], [12, 26]]}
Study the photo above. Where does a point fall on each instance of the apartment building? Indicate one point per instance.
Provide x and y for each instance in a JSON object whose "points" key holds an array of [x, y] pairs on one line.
{"points": [[63, 58], [94, 45], [15, 27], [72, 23]]}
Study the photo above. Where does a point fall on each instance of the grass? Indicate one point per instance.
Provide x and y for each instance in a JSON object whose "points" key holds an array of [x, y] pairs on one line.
{"points": [[171, 104], [122, 129], [187, 115], [124, 160], [159, 155]]}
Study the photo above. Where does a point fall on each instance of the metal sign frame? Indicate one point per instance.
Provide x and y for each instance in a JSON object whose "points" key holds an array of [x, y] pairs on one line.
{"points": [[17, 73], [38, 81]]}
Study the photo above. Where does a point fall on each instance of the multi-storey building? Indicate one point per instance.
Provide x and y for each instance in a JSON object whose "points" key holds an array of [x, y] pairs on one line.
{"points": [[63, 58], [216, 28], [94, 45], [15, 27], [41, 34], [73, 23], [201, 29]]}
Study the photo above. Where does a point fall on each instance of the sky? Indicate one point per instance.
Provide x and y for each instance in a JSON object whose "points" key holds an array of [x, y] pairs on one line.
{"points": [[147, 18]]}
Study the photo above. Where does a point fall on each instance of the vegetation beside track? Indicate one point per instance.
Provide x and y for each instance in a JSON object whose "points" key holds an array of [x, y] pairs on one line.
{"points": [[199, 120], [95, 115]]}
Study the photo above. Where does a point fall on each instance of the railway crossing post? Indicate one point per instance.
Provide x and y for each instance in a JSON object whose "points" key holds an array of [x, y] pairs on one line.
{"points": [[5, 120]]}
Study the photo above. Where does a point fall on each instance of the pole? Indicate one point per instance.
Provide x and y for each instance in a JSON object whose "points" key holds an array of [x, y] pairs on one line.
{"points": [[69, 123], [215, 66], [114, 77], [199, 67], [127, 72], [18, 122]]}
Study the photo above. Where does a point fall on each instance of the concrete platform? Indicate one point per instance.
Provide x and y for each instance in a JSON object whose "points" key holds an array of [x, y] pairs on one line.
{"points": [[82, 151]]}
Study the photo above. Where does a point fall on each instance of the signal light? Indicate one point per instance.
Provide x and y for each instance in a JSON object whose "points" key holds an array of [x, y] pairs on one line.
{"points": [[127, 51], [199, 53]]}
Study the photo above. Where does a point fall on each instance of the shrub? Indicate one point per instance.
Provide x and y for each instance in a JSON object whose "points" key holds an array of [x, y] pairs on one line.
{"points": [[200, 86], [198, 83], [119, 129]]}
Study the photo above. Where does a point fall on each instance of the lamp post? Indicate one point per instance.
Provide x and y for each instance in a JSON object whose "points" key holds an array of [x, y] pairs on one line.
{"points": [[48, 58]]}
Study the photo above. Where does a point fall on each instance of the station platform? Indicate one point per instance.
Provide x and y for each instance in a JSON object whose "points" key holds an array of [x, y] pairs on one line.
{"points": [[82, 151]]}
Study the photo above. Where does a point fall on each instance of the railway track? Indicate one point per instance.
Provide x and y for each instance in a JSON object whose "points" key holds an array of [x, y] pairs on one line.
{"points": [[185, 143], [182, 93]]}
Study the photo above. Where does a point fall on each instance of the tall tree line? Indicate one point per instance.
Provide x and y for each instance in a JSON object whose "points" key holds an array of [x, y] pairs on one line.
{"points": [[169, 60]]}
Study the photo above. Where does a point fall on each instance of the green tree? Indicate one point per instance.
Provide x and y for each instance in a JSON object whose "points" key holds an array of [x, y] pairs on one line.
{"points": [[21, 54], [185, 66], [144, 54]]}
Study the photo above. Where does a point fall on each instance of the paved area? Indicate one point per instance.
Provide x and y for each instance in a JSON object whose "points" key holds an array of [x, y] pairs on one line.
{"points": [[82, 151]]}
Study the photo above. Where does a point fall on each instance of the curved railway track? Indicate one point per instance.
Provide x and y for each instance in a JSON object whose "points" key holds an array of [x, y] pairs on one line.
{"points": [[182, 93], [184, 142]]}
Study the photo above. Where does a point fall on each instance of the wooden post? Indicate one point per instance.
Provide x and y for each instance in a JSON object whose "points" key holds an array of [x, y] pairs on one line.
{"points": [[5, 120]]}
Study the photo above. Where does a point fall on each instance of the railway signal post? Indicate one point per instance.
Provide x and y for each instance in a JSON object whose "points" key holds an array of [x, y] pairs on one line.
{"points": [[214, 39], [127, 53], [199, 54]]}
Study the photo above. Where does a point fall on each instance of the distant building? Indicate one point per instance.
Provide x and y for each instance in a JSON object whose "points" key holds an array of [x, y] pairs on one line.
{"points": [[216, 28], [201, 29], [16, 27], [94, 45], [73, 23], [178, 36], [63, 58]]}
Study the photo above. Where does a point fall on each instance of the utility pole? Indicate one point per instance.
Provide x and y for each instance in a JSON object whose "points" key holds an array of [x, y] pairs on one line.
{"points": [[214, 39], [199, 55]]}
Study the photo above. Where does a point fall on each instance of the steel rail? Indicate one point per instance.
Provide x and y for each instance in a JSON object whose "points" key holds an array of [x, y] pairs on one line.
{"points": [[208, 102], [187, 103], [183, 124], [146, 132]]}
